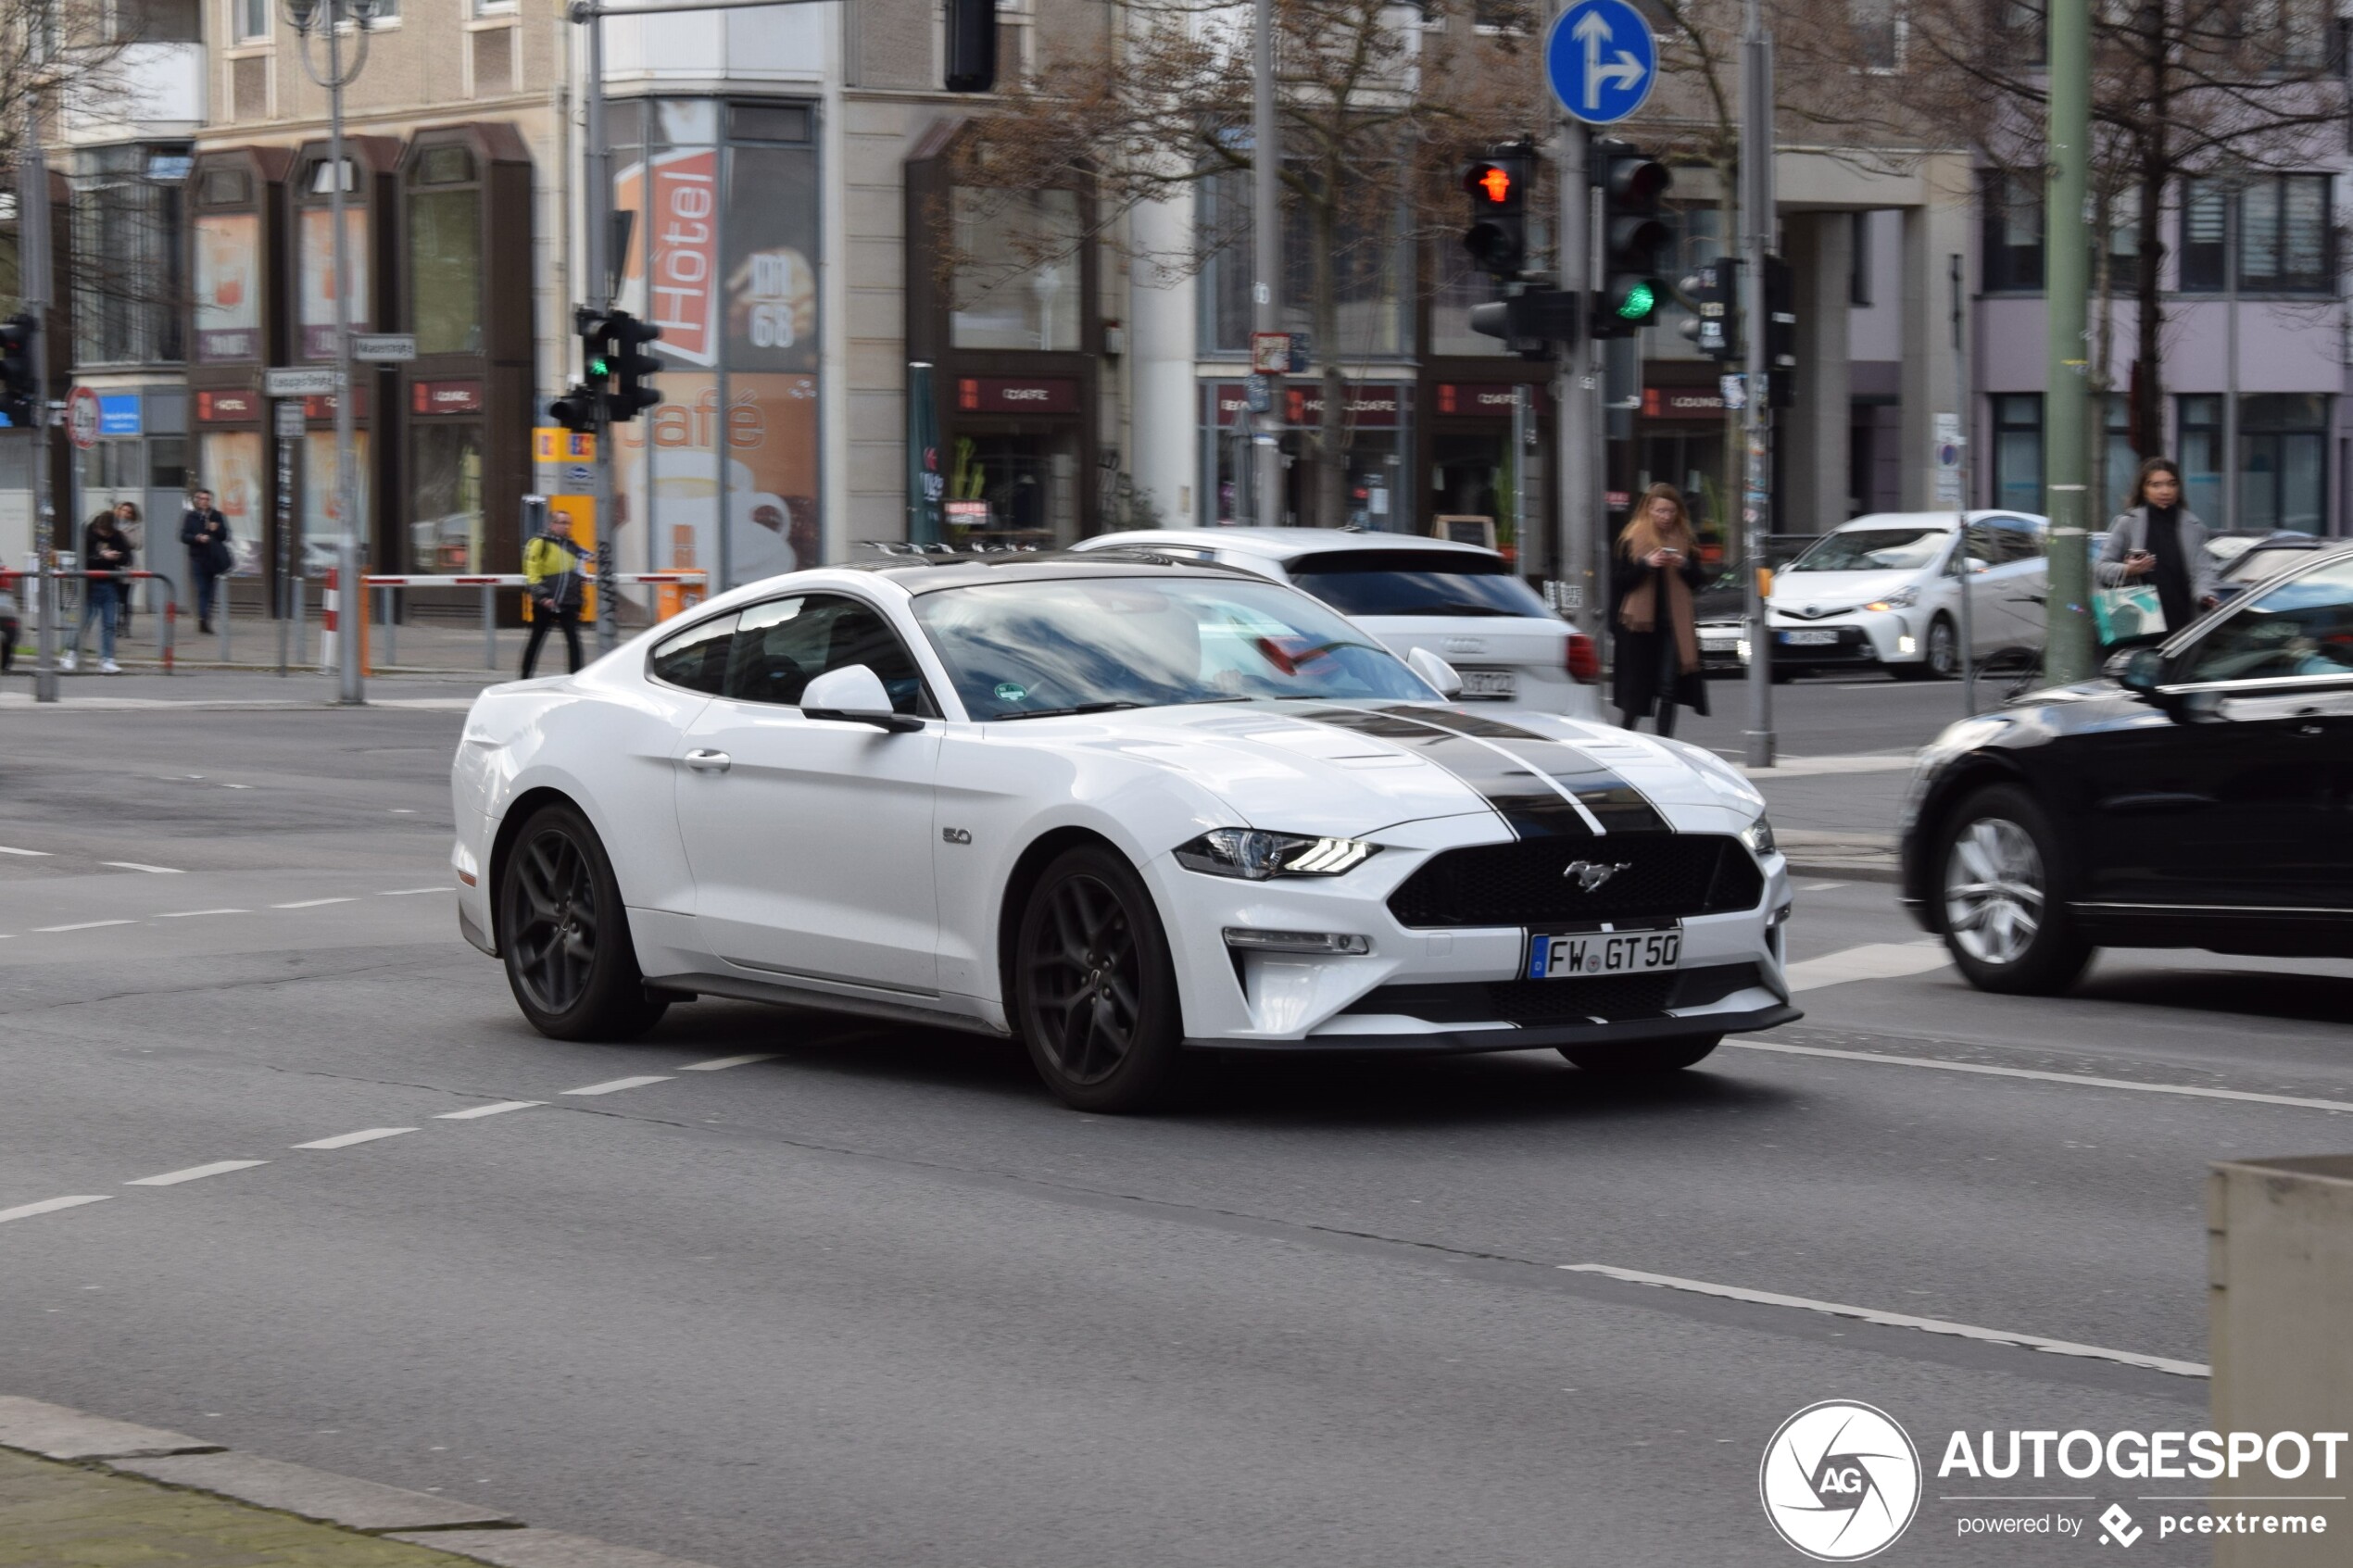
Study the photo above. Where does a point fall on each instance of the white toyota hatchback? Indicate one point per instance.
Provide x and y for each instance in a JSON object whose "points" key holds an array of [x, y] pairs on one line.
{"points": [[1460, 602], [1885, 591]]}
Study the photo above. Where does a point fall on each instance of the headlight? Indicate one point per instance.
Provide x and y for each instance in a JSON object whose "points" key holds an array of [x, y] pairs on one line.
{"points": [[1903, 599], [1246, 852], [1758, 837]]}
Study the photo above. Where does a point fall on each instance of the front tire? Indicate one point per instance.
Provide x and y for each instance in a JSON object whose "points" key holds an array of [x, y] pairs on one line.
{"points": [[1633, 1062], [1942, 659], [2004, 922], [564, 934], [1095, 993]]}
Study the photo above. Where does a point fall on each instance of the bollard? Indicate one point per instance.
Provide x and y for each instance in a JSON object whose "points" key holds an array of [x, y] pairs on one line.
{"points": [[388, 612], [329, 602], [171, 629], [490, 627]]}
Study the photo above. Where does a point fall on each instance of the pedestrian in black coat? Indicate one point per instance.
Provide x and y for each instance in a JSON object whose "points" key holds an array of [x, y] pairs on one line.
{"points": [[1655, 572]]}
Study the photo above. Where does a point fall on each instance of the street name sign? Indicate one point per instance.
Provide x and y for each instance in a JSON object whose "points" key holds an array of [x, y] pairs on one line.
{"points": [[1601, 60], [301, 382], [383, 346]]}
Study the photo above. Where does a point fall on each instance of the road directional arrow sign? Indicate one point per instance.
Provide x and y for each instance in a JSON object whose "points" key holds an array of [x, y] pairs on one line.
{"points": [[1601, 60]]}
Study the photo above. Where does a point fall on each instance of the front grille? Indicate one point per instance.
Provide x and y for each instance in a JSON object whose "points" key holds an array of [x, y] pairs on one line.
{"points": [[1525, 883], [1611, 999]]}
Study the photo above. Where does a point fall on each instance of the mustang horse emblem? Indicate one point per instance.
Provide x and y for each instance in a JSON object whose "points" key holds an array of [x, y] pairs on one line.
{"points": [[1590, 875]]}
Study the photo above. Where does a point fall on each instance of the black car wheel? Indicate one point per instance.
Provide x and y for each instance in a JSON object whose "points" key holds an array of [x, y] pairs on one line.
{"points": [[1643, 1061], [2006, 923], [565, 936], [1095, 992]]}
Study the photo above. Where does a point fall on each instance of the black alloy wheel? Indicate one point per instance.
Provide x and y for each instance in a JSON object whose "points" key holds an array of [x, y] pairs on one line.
{"points": [[1095, 993], [565, 936], [1636, 1061]]}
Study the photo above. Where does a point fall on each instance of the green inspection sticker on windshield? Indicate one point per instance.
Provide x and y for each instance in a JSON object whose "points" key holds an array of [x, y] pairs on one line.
{"points": [[1008, 692]]}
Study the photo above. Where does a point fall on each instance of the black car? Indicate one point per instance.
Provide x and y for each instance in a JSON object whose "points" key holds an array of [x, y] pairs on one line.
{"points": [[2200, 794]]}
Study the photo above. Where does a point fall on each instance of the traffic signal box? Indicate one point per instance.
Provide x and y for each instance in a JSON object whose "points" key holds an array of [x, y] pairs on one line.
{"points": [[19, 336], [1497, 185], [1634, 237], [617, 371]]}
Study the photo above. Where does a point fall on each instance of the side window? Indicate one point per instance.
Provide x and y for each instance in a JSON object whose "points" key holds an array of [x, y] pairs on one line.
{"points": [[696, 657], [2021, 541], [782, 645], [2300, 629]]}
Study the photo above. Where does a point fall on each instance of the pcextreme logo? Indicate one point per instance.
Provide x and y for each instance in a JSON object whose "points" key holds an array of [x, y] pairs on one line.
{"points": [[1841, 1481]]}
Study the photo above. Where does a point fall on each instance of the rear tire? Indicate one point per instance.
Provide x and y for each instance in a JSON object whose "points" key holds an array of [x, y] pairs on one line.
{"points": [[564, 934], [2005, 923], [1094, 990], [1631, 1063]]}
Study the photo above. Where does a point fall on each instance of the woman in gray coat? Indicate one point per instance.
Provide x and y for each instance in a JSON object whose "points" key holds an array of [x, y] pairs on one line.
{"points": [[2160, 544]]}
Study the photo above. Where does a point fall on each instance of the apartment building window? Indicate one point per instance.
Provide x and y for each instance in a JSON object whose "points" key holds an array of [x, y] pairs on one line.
{"points": [[1880, 26], [494, 7], [2200, 418], [1858, 263], [2120, 463], [253, 20], [158, 21], [128, 273], [2284, 440], [1371, 271], [2013, 232], [2022, 30], [1018, 270], [2018, 451], [2286, 242]]}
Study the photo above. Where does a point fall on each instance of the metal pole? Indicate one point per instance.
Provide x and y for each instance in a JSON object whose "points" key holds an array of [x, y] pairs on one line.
{"points": [[289, 559], [2067, 656], [32, 262], [1266, 259], [604, 269], [1577, 418], [352, 596], [1523, 437], [2233, 213], [1960, 519], [490, 627], [1757, 243]]}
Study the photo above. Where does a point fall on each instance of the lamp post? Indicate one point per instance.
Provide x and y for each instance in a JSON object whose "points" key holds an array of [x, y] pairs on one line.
{"points": [[325, 21]]}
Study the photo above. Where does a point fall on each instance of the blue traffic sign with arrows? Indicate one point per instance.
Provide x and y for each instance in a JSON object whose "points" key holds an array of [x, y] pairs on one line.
{"points": [[1601, 60]]}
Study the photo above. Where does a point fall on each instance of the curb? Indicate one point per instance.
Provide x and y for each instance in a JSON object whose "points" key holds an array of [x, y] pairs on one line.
{"points": [[1847, 871], [368, 1508]]}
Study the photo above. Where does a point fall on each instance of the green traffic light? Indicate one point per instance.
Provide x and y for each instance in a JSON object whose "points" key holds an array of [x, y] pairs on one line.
{"points": [[1639, 301], [598, 367]]}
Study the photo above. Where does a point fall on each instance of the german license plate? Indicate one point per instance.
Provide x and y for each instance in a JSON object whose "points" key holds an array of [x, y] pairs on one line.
{"points": [[1489, 682], [1633, 952], [1811, 637]]}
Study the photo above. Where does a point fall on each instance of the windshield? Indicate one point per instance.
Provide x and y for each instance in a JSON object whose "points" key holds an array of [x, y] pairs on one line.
{"points": [[1415, 583], [1873, 549], [1024, 650]]}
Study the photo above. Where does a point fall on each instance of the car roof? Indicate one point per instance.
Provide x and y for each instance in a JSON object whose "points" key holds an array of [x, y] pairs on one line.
{"points": [[1933, 519], [1279, 542], [928, 574]]}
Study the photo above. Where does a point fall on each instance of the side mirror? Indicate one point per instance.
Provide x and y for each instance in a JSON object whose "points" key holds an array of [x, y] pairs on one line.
{"points": [[1436, 670], [2138, 671], [854, 694], [1977, 565]]}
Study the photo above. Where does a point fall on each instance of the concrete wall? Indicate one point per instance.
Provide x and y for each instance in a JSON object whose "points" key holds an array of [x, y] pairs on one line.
{"points": [[2280, 1272]]}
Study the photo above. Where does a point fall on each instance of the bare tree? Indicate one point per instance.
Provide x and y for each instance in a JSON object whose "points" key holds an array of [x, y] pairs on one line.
{"points": [[1379, 104]]}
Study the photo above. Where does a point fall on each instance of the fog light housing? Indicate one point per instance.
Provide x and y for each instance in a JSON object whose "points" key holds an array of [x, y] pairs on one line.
{"points": [[1779, 917], [1328, 943], [1907, 644]]}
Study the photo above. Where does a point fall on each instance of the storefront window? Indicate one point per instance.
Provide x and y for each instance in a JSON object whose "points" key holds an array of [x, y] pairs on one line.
{"points": [[446, 533], [322, 517], [233, 471], [445, 253], [2018, 451], [1018, 275], [1374, 497]]}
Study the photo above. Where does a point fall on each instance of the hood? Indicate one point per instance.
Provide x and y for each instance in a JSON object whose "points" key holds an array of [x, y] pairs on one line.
{"points": [[1329, 768], [1793, 591]]}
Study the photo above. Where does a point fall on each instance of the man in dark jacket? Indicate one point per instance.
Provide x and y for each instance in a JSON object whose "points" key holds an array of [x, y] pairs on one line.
{"points": [[106, 550], [205, 534]]}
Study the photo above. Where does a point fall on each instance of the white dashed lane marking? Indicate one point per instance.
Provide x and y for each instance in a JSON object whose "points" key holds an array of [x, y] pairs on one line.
{"points": [[190, 914], [405, 892], [82, 926], [717, 1063], [345, 1140], [139, 866], [195, 1173], [43, 854], [50, 1205], [618, 1085], [2078, 1079], [472, 1112], [312, 903], [1897, 1320]]}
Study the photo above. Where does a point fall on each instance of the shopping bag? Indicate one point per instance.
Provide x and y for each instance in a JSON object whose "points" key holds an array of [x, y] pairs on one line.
{"points": [[2134, 614]]}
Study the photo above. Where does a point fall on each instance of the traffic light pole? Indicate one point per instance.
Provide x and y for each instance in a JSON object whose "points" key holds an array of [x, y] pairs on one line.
{"points": [[1266, 259], [1581, 507], [604, 270], [33, 254], [1756, 242]]}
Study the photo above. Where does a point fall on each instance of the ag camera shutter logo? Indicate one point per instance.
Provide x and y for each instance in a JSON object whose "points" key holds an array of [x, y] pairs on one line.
{"points": [[1841, 1481]]}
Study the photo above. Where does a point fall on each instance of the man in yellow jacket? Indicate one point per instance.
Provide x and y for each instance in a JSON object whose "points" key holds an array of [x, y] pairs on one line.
{"points": [[551, 563]]}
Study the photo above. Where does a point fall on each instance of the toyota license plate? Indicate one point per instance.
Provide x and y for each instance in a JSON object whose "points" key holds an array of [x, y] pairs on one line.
{"points": [[1489, 682], [1812, 637], [1635, 952]]}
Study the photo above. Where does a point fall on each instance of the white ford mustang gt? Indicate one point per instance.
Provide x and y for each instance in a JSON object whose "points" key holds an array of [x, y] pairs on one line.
{"points": [[1119, 806]]}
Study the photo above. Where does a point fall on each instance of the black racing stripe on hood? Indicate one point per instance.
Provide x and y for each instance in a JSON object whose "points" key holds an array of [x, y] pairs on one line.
{"points": [[1617, 804], [1532, 808]]}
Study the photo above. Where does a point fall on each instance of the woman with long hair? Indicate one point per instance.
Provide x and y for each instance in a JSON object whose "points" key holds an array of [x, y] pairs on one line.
{"points": [[1655, 572], [2156, 542]]}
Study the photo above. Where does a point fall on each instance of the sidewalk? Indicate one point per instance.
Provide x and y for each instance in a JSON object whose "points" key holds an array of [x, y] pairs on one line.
{"points": [[84, 1491], [438, 646]]}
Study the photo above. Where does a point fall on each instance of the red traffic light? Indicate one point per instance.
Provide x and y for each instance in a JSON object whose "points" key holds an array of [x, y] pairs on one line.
{"points": [[1490, 180]]}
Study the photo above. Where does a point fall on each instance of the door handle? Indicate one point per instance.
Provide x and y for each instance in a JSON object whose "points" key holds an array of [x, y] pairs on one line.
{"points": [[708, 761]]}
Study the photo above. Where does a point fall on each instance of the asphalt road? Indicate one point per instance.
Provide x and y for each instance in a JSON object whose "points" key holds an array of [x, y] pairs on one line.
{"points": [[875, 1299]]}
